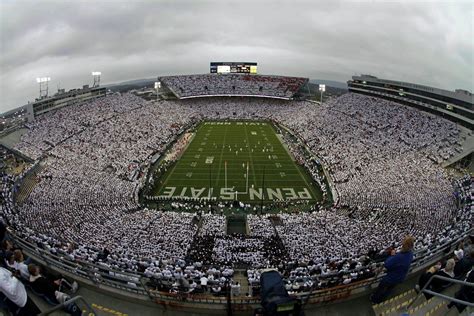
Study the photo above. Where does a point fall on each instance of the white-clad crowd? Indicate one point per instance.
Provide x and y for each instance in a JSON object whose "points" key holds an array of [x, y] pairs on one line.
{"points": [[233, 84], [383, 159]]}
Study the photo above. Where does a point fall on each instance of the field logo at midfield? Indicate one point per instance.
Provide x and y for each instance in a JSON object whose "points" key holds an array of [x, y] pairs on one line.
{"points": [[254, 194]]}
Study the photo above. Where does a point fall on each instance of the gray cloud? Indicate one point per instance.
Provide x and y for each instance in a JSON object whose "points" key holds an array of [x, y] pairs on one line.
{"points": [[424, 42]]}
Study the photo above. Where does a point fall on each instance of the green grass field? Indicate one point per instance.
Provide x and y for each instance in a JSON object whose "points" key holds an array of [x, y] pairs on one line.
{"points": [[237, 160]]}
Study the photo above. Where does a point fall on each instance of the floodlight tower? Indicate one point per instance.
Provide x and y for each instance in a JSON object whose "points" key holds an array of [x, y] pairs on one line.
{"points": [[43, 86], [157, 87], [322, 88], [96, 75]]}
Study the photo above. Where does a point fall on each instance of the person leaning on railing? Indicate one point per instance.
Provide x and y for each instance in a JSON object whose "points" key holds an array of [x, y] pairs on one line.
{"points": [[53, 290], [436, 285], [397, 266]]}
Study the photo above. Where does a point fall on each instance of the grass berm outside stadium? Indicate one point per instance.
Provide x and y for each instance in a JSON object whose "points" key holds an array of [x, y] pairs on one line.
{"points": [[216, 146]]}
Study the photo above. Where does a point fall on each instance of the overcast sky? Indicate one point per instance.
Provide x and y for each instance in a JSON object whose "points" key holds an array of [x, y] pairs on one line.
{"points": [[417, 41]]}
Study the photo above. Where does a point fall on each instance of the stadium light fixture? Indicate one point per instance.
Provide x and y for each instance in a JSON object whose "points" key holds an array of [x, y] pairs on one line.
{"points": [[96, 75], [322, 88], [43, 79], [43, 85], [157, 86]]}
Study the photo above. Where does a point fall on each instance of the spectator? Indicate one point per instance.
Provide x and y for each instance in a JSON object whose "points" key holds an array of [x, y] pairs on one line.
{"points": [[235, 289], [459, 254], [20, 264], [204, 283], [10, 262], [426, 276], [5, 248], [438, 285], [52, 290], [397, 268], [465, 264], [14, 291], [466, 293]]}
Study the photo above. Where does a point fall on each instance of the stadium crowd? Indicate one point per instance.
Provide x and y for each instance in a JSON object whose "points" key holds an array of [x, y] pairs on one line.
{"points": [[233, 84], [382, 157]]}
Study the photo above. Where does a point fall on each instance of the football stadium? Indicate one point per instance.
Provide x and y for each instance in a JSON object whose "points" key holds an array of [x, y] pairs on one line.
{"points": [[233, 192], [200, 193]]}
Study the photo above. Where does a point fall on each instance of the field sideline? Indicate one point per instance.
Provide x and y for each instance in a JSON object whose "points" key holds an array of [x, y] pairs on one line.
{"points": [[237, 160]]}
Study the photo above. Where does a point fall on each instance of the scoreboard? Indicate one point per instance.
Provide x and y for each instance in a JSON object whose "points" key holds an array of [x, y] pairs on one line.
{"points": [[233, 67]]}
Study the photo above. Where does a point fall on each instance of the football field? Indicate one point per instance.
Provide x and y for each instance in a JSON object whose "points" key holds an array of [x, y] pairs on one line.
{"points": [[244, 161]]}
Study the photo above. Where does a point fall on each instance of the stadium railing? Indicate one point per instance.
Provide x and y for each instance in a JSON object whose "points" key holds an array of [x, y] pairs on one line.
{"points": [[426, 290], [130, 283]]}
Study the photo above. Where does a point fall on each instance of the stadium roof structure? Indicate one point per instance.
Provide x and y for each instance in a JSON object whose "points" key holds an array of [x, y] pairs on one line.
{"points": [[454, 105], [243, 85]]}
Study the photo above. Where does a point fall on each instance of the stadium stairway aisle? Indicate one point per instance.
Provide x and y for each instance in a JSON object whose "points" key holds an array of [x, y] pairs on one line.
{"points": [[395, 304], [28, 185], [239, 276], [435, 306]]}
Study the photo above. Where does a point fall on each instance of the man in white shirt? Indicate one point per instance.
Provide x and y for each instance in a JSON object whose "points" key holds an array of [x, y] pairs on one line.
{"points": [[15, 291], [235, 289], [204, 283]]}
